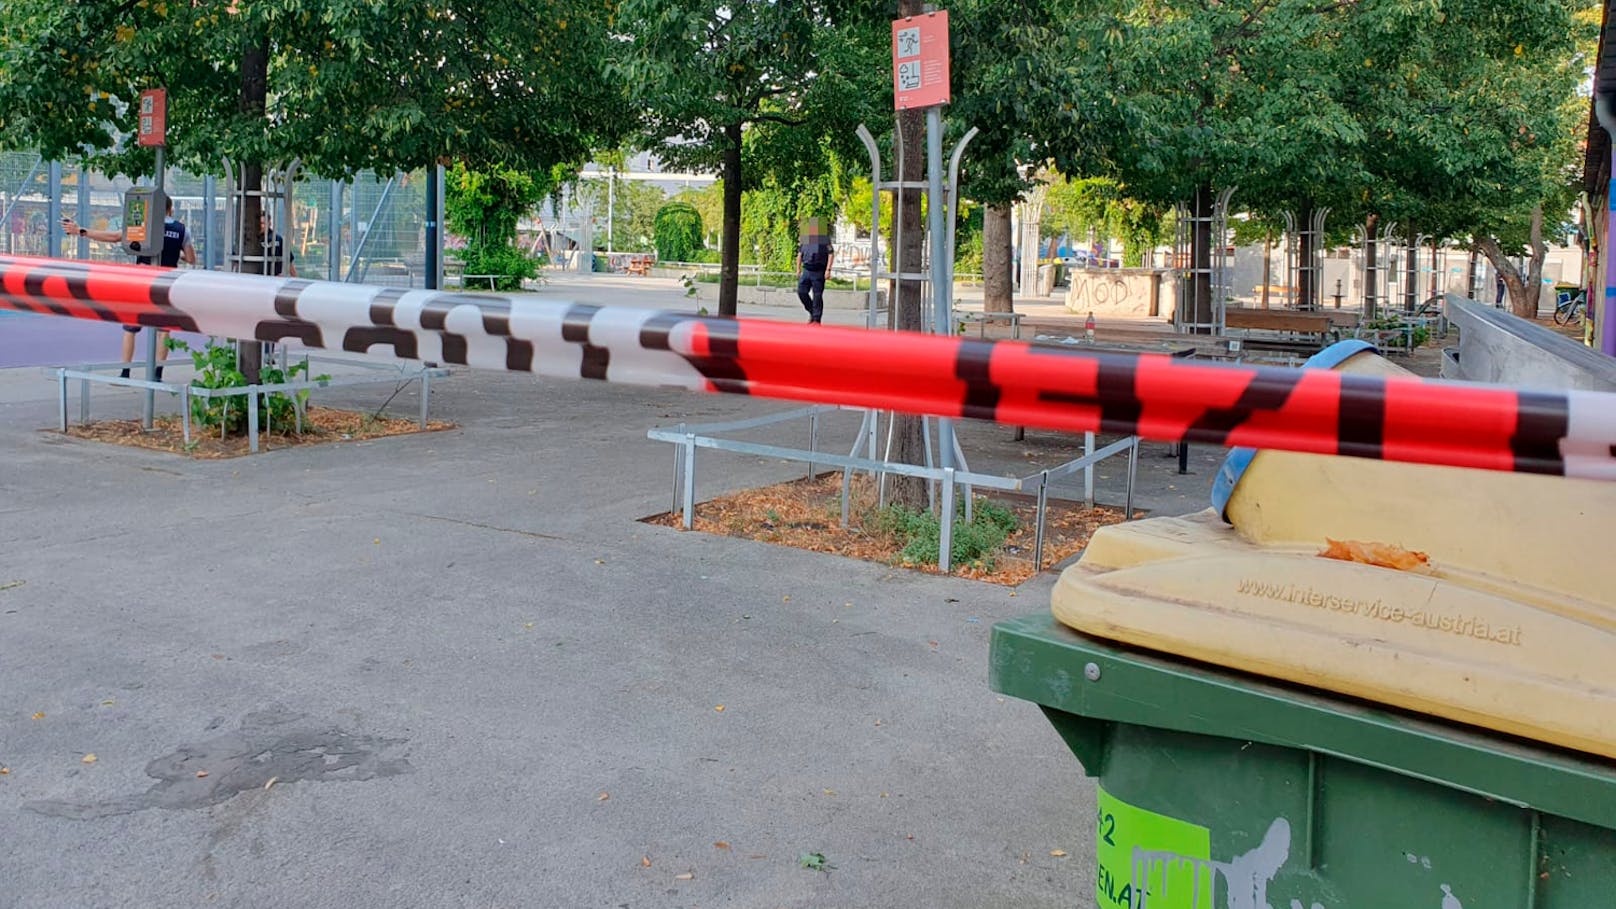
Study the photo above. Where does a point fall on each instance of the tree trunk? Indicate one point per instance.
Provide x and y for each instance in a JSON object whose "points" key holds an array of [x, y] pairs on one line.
{"points": [[1515, 283], [908, 440], [254, 96], [1200, 306], [1267, 264], [997, 286], [1371, 257], [729, 268], [1523, 289], [1470, 276], [1307, 278]]}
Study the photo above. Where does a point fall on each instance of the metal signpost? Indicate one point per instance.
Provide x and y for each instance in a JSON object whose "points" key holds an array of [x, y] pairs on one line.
{"points": [[154, 134], [920, 78]]}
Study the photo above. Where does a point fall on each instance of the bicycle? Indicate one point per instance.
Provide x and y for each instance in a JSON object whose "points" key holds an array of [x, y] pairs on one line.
{"points": [[1572, 309]]}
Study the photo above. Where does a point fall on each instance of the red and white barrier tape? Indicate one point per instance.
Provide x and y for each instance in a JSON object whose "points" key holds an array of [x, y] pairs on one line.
{"points": [[1158, 397]]}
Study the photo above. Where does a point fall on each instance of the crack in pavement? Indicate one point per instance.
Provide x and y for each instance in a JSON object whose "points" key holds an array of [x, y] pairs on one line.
{"points": [[481, 526]]}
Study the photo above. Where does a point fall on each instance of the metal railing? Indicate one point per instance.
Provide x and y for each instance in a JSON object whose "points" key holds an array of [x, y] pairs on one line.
{"points": [[86, 375], [860, 279], [688, 438]]}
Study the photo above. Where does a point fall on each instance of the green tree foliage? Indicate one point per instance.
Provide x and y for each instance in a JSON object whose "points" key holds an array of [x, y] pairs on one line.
{"points": [[708, 201], [706, 72], [1475, 119], [389, 84], [1020, 80], [1098, 205], [484, 206], [632, 205], [634, 215], [678, 232]]}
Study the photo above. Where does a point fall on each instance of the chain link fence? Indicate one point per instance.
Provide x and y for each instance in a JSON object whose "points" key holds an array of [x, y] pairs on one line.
{"points": [[369, 229]]}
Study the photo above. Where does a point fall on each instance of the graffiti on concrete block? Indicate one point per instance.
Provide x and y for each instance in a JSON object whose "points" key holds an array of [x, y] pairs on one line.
{"points": [[1097, 290]]}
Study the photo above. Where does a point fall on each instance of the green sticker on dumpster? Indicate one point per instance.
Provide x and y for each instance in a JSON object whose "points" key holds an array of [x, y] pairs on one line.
{"points": [[1138, 850]]}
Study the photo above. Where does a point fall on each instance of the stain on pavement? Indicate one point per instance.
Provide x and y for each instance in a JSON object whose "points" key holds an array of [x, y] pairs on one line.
{"points": [[272, 744]]}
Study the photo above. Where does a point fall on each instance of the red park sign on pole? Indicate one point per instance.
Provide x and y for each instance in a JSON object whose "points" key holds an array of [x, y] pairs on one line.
{"points": [[154, 117], [920, 60]]}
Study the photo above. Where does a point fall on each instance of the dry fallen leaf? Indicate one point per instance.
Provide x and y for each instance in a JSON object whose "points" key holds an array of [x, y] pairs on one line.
{"points": [[603, 796], [108, 703], [687, 876], [645, 861], [1058, 853], [201, 774], [719, 708], [720, 845], [1382, 555], [830, 792], [40, 715], [272, 781], [787, 598], [377, 541], [5, 771], [757, 856], [88, 758]]}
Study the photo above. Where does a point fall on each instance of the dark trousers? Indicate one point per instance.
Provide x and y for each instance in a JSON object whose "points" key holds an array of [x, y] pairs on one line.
{"points": [[811, 291]]}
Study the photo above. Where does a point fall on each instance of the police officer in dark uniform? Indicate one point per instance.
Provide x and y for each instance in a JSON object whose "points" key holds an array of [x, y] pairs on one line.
{"points": [[814, 257], [176, 246]]}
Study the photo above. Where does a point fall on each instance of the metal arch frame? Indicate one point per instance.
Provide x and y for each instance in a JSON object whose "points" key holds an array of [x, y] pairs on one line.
{"points": [[950, 453], [1294, 264], [276, 189], [1219, 269], [953, 205], [1411, 294], [1385, 270]]}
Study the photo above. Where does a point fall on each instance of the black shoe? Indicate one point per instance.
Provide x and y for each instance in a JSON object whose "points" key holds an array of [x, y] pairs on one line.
{"points": [[124, 374], [159, 373]]}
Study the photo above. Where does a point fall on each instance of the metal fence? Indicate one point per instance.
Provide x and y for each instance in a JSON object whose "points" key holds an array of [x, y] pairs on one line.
{"points": [[377, 223]]}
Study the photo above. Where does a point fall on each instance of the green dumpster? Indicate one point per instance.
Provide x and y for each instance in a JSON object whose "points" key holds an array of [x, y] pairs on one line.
{"points": [[1219, 789], [1349, 684]]}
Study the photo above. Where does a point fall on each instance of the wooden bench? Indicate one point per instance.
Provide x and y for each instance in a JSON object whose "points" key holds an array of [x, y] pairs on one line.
{"points": [[1284, 330], [1286, 320]]}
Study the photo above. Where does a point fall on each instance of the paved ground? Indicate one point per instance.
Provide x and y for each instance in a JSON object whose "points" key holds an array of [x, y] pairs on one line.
{"points": [[476, 679]]}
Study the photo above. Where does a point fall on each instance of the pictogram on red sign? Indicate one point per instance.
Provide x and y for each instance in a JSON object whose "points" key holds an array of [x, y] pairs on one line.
{"points": [[920, 60], [154, 116]]}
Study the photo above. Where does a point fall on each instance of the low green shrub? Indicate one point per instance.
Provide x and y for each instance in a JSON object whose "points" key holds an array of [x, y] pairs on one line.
{"points": [[977, 544], [216, 367], [511, 266]]}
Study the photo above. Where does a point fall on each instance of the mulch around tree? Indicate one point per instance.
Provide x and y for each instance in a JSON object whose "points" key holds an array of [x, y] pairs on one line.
{"points": [[807, 514], [321, 425]]}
